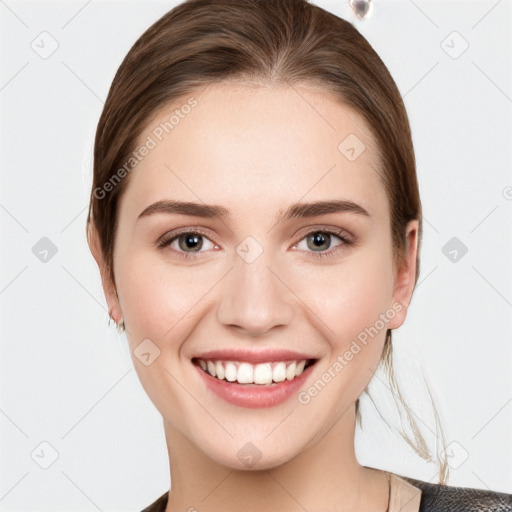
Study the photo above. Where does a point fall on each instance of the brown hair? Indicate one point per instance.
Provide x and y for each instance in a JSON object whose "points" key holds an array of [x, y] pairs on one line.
{"points": [[267, 42]]}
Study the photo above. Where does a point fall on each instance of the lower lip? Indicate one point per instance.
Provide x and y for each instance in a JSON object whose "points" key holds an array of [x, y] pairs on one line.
{"points": [[254, 395]]}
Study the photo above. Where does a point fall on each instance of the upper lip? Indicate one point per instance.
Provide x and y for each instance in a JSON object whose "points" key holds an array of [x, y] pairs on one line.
{"points": [[253, 356]]}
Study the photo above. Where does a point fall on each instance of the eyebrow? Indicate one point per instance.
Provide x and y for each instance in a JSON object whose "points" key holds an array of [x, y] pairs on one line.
{"points": [[294, 211]]}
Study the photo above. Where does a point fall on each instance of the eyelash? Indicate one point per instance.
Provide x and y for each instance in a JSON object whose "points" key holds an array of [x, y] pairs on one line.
{"points": [[167, 240]]}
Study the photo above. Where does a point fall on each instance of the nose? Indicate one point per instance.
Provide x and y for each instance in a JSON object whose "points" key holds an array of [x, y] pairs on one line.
{"points": [[255, 298]]}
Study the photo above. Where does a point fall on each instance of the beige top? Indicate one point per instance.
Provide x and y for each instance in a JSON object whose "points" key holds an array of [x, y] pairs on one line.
{"points": [[403, 496]]}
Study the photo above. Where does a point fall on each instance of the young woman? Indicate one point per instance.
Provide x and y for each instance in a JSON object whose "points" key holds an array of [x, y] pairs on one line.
{"points": [[256, 219]]}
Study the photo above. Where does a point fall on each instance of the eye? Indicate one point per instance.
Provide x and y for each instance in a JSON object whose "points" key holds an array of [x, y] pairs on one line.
{"points": [[187, 243], [324, 242], [320, 243]]}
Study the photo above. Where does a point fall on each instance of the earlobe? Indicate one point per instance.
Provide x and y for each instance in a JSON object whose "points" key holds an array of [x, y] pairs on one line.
{"points": [[109, 289], [405, 276]]}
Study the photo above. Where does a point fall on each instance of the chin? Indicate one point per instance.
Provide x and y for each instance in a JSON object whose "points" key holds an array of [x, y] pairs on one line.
{"points": [[251, 458]]}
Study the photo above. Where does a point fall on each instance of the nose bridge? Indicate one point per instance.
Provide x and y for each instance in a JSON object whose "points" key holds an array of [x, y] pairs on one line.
{"points": [[254, 298]]}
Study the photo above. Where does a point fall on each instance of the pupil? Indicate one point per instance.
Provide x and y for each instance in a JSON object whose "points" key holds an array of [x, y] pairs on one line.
{"points": [[191, 242], [321, 240]]}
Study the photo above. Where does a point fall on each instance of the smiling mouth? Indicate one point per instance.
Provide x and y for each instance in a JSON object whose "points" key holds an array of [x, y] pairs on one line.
{"points": [[269, 373]]}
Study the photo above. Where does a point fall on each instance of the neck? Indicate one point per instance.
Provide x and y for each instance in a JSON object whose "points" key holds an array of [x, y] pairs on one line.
{"points": [[324, 476]]}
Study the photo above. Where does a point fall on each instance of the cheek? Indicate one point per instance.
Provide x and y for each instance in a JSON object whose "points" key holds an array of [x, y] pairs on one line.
{"points": [[159, 303], [353, 304], [156, 297], [351, 297]]}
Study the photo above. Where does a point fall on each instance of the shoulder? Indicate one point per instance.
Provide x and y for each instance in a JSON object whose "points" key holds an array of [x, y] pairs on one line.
{"points": [[445, 498], [159, 505]]}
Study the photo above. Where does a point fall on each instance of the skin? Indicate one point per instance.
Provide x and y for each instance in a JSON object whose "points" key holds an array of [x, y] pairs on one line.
{"points": [[255, 150]]}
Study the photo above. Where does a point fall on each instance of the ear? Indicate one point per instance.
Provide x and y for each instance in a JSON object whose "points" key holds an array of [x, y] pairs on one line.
{"points": [[405, 276], [109, 288]]}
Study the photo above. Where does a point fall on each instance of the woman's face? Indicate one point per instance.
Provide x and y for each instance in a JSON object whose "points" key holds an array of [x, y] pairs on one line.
{"points": [[269, 280]]}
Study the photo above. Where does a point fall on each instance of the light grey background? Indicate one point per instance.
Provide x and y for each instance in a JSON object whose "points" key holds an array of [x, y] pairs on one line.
{"points": [[66, 377]]}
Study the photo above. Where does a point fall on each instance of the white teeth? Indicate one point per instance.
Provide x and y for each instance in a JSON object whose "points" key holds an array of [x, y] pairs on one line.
{"points": [[230, 373], [262, 373], [219, 370], [279, 373], [246, 373], [299, 369], [290, 371], [211, 368]]}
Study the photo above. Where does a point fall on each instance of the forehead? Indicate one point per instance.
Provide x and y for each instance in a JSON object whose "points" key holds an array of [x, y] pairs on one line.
{"points": [[259, 146]]}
